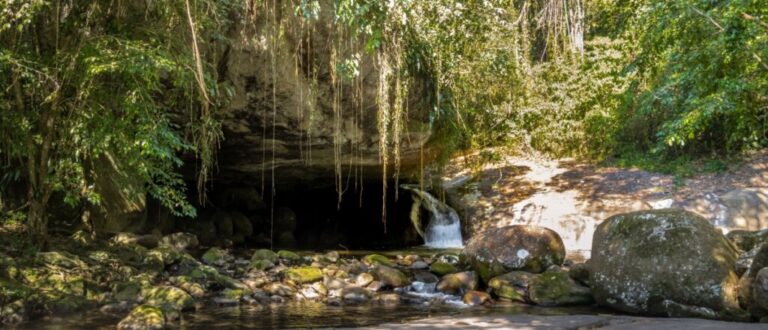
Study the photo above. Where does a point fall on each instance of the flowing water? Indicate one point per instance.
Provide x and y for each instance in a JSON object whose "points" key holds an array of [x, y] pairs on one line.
{"points": [[444, 227]]}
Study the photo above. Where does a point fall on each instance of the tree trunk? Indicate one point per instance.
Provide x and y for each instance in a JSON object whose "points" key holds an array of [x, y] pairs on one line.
{"points": [[37, 219]]}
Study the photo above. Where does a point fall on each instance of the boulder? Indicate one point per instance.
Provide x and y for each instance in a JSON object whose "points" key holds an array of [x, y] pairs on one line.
{"points": [[557, 289], [474, 298], [580, 273], [374, 259], [649, 261], [144, 317], [304, 274], [241, 224], [512, 285], [760, 293], [180, 241], [501, 250], [390, 276], [442, 268], [458, 283], [168, 297], [264, 254], [215, 256]]}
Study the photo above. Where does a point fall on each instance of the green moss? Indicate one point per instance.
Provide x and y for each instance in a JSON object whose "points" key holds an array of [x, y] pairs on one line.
{"points": [[144, 317], [215, 256], [288, 255], [373, 259], [235, 294], [442, 268], [264, 254], [556, 289], [261, 264], [168, 297], [304, 274], [512, 286]]}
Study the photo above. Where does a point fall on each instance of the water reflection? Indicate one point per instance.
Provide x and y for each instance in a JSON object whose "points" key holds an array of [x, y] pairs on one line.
{"points": [[303, 315]]}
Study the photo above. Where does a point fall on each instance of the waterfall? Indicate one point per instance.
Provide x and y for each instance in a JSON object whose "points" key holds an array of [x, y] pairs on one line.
{"points": [[443, 229]]}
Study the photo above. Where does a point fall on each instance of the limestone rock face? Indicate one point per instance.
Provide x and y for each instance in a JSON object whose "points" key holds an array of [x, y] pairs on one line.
{"points": [[501, 250], [663, 262]]}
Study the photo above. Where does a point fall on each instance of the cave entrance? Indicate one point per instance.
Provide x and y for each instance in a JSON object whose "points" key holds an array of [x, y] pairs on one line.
{"points": [[309, 216]]}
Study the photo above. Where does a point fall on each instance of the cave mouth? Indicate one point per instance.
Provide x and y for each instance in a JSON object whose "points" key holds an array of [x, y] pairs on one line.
{"points": [[310, 217]]}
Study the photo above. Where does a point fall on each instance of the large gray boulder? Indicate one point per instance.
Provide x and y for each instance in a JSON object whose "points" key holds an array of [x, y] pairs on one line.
{"points": [[664, 262], [501, 250]]}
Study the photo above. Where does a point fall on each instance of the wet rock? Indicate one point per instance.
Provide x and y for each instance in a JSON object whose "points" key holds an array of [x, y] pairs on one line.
{"points": [[144, 317], [355, 294], [474, 298], [501, 250], [442, 268], [13, 312], [580, 273], [215, 256], [332, 256], [389, 298], [320, 288], [512, 285], [262, 264], [425, 276], [168, 297], [641, 259], [419, 264], [279, 289], [458, 283], [376, 286], [116, 308], [557, 289], [180, 241], [334, 283], [377, 259], [304, 274], [364, 279], [390, 276]]}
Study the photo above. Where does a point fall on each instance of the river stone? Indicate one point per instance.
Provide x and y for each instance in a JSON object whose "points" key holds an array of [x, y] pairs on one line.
{"points": [[442, 268], [390, 276], [144, 317], [180, 241], [168, 297], [364, 279], [512, 285], [373, 259], [304, 274], [580, 273], [264, 254], [519, 247], [215, 256], [279, 289], [458, 283], [290, 257], [642, 259], [474, 298], [557, 289]]}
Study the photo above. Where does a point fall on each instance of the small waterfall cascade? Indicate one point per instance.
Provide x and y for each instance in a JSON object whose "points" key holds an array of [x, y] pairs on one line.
{"points": [[444, 227]]}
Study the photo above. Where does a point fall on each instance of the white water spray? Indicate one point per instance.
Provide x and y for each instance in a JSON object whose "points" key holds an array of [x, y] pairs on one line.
{"points": [[444, 227]]}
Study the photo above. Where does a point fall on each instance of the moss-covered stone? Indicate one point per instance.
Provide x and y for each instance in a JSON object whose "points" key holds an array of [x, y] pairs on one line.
{"points": [[11, 290], [61, 259], [557, 289], [289, 256], [458, 283], [261, 264], [127, 291], [264, 254], [374, 259], [501, 250], [304, 274], [168, 297], [144, 317], [390, 276], [442, 268], [512, 286], [642, 259], [215, 256], [234, 294]]}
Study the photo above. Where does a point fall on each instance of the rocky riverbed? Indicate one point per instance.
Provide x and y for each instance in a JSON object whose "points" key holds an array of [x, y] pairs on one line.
{"points": [[658, 263]]}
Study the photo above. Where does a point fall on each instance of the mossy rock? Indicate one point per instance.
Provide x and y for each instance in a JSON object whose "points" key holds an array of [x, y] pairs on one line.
{"points": [[215, 256], [501, 250], [458, 283], [442, 268], [264, 254], [642, 262], [390, 276], [288, 255], [234, 294], [144, 317], [304, 274], [557, 289], [168, 297], [127, 291], [11, 290], [261, 264], [512, 285], [61, 259], [163, 254], [374, 259]]}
